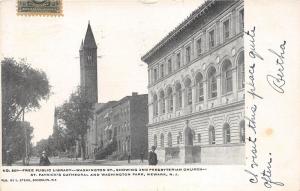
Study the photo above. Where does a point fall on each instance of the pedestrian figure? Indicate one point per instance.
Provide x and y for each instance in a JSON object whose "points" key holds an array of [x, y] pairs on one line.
{"points": [[142, 157], [44, 161], [152, 156], [9, 159], [128, 158]]}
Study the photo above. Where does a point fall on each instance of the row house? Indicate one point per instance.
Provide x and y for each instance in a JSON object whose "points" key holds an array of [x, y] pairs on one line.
{"points": [[122, 122]]}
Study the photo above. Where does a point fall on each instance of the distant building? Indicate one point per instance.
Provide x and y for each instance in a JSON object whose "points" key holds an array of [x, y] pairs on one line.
{"points": [[129, 129], [130, 117], [123, 122], [196, 88], [88, 66], [88, 76], [100, 132]]}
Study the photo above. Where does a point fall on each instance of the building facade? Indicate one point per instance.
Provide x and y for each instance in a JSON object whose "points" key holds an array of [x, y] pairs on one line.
{"points": [[99, 135], [196, 88], [130, 117], [122, 122]]}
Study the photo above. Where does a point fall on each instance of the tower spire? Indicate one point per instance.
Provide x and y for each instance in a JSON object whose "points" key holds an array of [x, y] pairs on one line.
{"points": [[81, 46], [88, 66], [89, 40]]}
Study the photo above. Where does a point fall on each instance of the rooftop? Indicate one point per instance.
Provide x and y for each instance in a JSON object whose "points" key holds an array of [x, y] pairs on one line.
{"points": [[200, 11], [89, 40]]}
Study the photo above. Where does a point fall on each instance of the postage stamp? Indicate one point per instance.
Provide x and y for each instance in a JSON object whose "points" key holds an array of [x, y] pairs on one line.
{"points": [[39, 7]]}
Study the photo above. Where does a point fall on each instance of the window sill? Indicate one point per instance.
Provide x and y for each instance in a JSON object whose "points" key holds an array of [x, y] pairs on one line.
{"points": [[199, 102], [212, 99], [227, 94]]}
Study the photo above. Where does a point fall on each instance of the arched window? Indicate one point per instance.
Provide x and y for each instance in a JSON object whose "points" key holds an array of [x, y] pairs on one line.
{"points": [[155, 105], [169, 139], [241, 70], [199, 88], [226, 77], [226, 133], [242, 131], [212, 83], [162, 102], [155, 140], [170, 99], [162, 139], [178, 96], [212, 135], [188, 91]]}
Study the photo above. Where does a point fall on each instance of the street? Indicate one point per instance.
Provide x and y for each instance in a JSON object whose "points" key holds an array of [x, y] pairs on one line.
{"points": [[55, 161]]}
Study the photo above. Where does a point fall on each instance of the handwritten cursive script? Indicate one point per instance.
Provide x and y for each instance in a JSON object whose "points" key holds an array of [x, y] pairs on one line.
{"points": [[253, 54], [258, 172], [277, 82], [267, 174]]}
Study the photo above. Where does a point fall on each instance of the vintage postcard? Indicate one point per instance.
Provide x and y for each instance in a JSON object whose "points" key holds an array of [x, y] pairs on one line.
{"points": [[150, 95]]}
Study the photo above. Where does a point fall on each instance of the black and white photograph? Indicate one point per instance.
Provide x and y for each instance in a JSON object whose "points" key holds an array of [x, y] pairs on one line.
{"points": [[188, 108], [149, 94]]}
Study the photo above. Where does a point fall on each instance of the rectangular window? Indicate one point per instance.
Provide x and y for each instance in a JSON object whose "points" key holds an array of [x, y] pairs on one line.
{"points": [[228, 81], [201, 92], [162, 70], [199, 138], [242, 75], [189, 96], [169, 66], [178, 60], [179, 100], [188, 54], [171, 103], [213, 87], [226, 29], [212, 39], [241, 20], [155, 75], [199, 47]]}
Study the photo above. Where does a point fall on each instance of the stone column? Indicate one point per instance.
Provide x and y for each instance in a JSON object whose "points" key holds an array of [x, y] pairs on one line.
{"points": [[167, 102], [158, 106], [218, 33], [233, 23], [205, 93], [150, 111], [234, 83], [149, 77], [219, 89], [194, 98], [183, 104], [193, 50], [205, 41], [174, 101]]}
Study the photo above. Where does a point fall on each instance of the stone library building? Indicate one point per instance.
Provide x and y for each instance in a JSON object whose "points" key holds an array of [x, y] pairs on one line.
{"points": [[196, 90]]}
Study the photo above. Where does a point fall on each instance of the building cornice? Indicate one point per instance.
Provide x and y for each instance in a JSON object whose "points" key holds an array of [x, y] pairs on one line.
{"points": [[199, 11], [185, 24]]}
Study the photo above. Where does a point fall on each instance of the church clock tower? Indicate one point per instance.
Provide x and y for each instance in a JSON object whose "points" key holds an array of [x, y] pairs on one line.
{"points": [[88, 66]]}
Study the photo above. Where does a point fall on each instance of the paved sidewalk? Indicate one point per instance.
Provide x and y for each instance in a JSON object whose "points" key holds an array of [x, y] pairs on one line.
{"points": [[56, 161]]}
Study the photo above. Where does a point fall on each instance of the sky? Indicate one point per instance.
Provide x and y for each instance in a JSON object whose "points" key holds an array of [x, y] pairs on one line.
{"points": [[124, 31]]}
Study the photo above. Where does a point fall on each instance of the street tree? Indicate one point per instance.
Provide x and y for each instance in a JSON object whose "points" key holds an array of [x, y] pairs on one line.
{"points": [[75, 115], [23, 88]]}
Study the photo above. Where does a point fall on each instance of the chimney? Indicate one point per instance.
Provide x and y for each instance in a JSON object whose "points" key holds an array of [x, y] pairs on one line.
{"points": [[134, 93]]}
